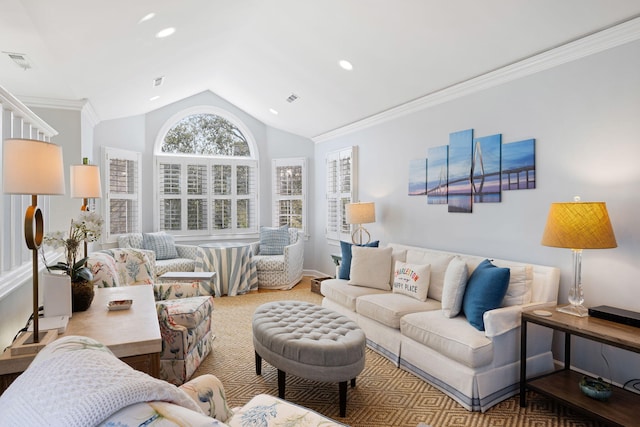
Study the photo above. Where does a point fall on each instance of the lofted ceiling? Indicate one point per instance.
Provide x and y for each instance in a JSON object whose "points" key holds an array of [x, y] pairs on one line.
{"points": [[256, 53]]}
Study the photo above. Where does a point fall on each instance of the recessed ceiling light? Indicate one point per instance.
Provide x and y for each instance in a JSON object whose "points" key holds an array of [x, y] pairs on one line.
{"points": [[153, 98], [274, 112], [165, 33], [147, 17], [345, 64]]}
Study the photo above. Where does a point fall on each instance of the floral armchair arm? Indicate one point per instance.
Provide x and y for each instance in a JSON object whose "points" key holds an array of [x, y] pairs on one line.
{"points": [[208, 392], [176, 290]]}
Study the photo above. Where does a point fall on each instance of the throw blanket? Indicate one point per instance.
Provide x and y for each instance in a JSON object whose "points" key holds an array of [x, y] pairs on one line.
{"points": [[76, 381]]}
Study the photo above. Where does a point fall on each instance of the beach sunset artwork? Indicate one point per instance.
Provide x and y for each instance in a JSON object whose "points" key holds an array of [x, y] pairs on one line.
{"points": [[418, 177], [460, 157], [519, 165], [486, 169], [437, 171]]}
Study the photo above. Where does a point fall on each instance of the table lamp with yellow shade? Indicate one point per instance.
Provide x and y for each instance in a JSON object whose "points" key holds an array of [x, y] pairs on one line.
{"points": [[578, 225]]}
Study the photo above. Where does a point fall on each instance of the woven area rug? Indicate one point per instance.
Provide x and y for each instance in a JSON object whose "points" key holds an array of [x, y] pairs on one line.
{"points": [[384, 395]]}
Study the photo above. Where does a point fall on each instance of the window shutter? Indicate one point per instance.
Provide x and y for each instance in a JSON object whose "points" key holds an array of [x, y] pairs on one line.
{"points": [[124, 174], [288, 183], [197, 192], [341, 190]]}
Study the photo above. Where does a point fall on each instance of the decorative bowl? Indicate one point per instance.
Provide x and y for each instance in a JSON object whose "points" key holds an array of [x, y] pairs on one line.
{"points": [[595, 388]]}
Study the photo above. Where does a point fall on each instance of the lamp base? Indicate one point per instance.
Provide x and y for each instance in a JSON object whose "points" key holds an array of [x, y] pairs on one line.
{"points": [[24, 343], [574, 310]]}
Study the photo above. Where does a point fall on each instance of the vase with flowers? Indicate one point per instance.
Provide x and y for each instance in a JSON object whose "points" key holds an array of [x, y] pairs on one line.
{"points": [[87, 228]]}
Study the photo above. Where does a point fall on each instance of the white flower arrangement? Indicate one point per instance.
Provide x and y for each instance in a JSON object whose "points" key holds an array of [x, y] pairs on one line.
{"points": [[87, 228]]}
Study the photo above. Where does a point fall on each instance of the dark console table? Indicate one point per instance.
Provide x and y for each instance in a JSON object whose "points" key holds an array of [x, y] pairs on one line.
{"points": [[562, 385]]}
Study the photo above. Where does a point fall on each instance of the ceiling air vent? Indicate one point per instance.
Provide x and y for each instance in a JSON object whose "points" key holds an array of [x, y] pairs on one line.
{"points": [[158, 81], [292, 97], [20, 59]]}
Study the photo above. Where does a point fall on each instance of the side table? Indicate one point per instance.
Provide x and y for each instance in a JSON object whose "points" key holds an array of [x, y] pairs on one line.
{"points": [[133, 335], [236, 272], [562, 385]]}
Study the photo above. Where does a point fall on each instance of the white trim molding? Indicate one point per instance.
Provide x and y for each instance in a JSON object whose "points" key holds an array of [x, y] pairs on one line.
{"points": [[609, 38]]}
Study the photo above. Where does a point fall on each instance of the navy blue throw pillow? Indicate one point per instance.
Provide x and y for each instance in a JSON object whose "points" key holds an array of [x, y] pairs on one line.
{"points": [[345, 264], [485, 290]]}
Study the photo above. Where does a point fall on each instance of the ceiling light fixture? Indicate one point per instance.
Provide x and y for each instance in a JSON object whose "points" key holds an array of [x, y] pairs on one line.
{"points": [[147, 17], [165, 33], [274, 112], [153, 98], [346, 65]]}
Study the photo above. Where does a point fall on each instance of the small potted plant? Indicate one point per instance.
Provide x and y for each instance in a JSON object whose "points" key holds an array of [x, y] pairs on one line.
{"points": [[87, 228]]}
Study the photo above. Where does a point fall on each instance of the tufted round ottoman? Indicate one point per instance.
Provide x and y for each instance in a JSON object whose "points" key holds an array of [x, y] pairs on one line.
{"points": [[308, 341]]}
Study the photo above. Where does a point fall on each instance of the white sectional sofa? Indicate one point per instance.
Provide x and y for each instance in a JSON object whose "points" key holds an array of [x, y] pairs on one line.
{"points": [[477, 368]]}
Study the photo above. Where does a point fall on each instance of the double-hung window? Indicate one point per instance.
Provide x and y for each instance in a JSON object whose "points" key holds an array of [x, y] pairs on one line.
{"points": [[340, 191], [289, 181], [123, 174], [207, 177]]}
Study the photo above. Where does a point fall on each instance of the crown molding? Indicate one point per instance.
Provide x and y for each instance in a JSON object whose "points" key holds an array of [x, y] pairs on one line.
{"points": [[609, 38], [83, 105], [58, 104], [89, 113]]}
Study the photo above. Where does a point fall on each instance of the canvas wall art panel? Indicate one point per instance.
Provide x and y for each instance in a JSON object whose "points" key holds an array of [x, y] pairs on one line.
{"points": [[437, 171], [460, 157], [486, 167], [418, 177], [519, 165]]}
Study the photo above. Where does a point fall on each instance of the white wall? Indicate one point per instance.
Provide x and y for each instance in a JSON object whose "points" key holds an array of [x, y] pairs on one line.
{"points": [[585, 117]]}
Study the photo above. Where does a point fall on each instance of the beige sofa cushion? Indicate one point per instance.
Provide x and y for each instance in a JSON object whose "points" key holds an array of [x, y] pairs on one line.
{"points": [[390, 307], [439, 262], [454, 337], [340, 292], [370, 267]]}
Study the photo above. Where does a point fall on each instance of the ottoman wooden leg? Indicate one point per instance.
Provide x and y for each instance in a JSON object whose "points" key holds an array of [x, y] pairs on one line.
{"points": [[281, 379], [353, 382], [258, 364], [343, 398]]}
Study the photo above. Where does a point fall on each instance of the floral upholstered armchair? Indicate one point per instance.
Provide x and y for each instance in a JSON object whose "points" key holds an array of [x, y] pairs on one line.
{"points": [[94, 387], [167, 255], [184, 309]]}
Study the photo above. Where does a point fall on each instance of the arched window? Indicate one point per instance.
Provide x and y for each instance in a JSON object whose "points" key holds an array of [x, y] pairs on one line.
{"points": [[207, 175]]}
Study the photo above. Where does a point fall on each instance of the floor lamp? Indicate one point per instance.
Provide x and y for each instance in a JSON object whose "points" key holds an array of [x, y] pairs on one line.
{"points": [[85, 184], [577, 226], [32, 167], [360, 213]]}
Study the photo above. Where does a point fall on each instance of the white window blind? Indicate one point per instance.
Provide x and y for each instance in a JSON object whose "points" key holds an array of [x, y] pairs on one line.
{"points": [[123, 173], [289, 193], [341, 190]]}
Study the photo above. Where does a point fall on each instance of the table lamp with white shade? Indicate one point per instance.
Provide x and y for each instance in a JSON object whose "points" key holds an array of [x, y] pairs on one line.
{"points": [[358, 214], [85, 185], [578, 225], [32, 167]]}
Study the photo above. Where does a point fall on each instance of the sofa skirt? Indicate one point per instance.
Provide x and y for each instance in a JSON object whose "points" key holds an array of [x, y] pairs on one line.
{"points": [[474, 389]]}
